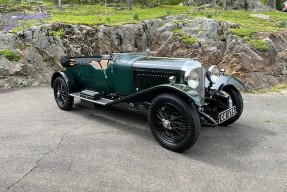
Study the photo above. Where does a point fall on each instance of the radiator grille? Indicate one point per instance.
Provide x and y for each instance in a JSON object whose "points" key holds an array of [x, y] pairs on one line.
{"points": [[146, 78]]}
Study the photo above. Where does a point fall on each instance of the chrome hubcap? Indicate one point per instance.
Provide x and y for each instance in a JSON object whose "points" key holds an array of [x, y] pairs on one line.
{"points": [[166, 124]]}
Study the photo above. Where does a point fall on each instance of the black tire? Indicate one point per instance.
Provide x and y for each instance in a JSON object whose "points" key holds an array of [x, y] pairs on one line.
{"points": [[63, 100], [173, 122], [237, 101]]}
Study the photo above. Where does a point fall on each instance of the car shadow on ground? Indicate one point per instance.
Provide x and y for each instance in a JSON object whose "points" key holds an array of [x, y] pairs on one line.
{"points": [[219, 146]]}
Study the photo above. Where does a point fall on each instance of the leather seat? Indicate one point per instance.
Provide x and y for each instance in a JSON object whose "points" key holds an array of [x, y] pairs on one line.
{"points": [[96, 64], [103, 64]]}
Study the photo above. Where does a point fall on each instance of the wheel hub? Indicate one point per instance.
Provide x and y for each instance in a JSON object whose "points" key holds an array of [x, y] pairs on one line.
{"points": [[166, 124], [58, 93]]}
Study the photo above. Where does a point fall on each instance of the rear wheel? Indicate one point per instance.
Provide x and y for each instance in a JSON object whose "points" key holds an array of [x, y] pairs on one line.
{"points": [[235, 99], [63, 100], [173, 122]]}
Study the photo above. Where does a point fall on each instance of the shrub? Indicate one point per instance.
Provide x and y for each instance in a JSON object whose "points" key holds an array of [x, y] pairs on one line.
{"points": [[168, 12], [209, 15], [260, 45], [282, 24], [10, 55], [136, 16]]}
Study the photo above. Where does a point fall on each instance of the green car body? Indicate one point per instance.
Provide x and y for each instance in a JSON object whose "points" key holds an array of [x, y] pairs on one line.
{"points": [[139, 79]]}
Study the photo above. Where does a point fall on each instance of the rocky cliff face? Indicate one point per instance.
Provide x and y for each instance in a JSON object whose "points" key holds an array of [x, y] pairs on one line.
{"points": [[210, 41], [252, 5]]}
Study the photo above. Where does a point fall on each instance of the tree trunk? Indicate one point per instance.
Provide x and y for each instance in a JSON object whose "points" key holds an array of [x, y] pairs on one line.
{"points": [[59, 4], [129, 4], [272, 3], [224, 4], [213, 4]]}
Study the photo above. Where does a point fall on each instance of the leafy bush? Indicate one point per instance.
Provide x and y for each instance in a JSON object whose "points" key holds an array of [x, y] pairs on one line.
{"points": [[282, 24], [136, 16], [260, 45], [10, 55], [209, 15]]}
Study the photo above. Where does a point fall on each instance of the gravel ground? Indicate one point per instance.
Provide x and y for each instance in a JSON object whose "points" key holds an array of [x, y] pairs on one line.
{"points": [[43, 148]]}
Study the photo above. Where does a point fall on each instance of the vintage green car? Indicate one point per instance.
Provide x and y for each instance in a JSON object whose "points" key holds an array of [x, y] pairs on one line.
{"points": [[179, 94]]}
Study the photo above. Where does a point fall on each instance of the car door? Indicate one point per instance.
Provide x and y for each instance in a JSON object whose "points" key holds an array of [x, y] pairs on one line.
{"points": [[86, 75]]}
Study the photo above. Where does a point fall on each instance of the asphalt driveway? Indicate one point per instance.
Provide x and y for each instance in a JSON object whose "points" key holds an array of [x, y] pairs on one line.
{"points": [[45, 149]]}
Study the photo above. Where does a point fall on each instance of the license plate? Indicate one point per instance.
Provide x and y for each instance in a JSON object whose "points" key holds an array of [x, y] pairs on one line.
{"points": [[227, 114]]}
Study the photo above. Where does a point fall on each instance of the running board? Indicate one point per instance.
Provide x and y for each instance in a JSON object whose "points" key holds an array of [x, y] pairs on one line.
{"points": [[100, 101]]}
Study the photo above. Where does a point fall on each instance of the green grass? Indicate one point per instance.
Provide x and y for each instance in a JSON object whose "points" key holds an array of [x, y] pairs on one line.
{"points": [[178, 32], [10, 55], [184, 38], [188, 40], [95, 15], [277, 88], [259, 44], [243, 32], [60, 33], [248, 24]]}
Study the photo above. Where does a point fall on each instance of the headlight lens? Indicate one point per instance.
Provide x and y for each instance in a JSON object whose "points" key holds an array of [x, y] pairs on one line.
{"points": [[192, 78], [213, 73]]}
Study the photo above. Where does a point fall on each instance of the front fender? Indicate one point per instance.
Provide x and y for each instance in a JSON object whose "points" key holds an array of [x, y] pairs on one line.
{"points": [[179, 89], [69, 79], [225, 80]]}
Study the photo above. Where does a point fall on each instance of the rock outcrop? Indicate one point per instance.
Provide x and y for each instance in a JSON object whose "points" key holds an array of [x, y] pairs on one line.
{"points": [[252, 5], [210, 41]]}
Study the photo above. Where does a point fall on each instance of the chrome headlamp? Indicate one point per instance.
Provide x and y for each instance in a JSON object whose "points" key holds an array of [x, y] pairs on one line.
{"points": [[213, 73], [192, 78]]}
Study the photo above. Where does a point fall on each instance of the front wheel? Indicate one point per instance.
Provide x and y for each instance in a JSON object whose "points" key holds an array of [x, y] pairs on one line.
{"points": [[63, 100], [235, 99], [173, 122]]}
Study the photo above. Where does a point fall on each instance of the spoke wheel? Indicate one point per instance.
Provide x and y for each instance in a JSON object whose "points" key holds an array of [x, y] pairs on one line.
{"points": [[173, 122], [170, 123], [61, 95]]}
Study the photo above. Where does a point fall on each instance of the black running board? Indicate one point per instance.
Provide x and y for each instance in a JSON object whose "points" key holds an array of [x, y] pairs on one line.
{"points": [[101, 101]]}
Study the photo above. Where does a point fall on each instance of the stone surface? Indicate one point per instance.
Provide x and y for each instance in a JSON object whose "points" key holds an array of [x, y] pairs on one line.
{"points": [[253, 5], [40, 49], [260, 16]]}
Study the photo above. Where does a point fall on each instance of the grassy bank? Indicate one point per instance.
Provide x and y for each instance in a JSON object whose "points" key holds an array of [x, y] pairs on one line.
{"points": [[97, 14]]}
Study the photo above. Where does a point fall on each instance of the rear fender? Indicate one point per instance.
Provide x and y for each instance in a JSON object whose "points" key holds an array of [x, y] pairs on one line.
{"points": [[224, 81], [181, 90], [69, 79]]}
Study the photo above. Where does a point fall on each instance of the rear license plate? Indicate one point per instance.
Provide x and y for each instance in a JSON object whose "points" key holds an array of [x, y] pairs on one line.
{"points": [[227, 114]]}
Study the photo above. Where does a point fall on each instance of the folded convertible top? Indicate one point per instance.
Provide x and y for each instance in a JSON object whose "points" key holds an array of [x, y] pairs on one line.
{"points": [[67, 61]]}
